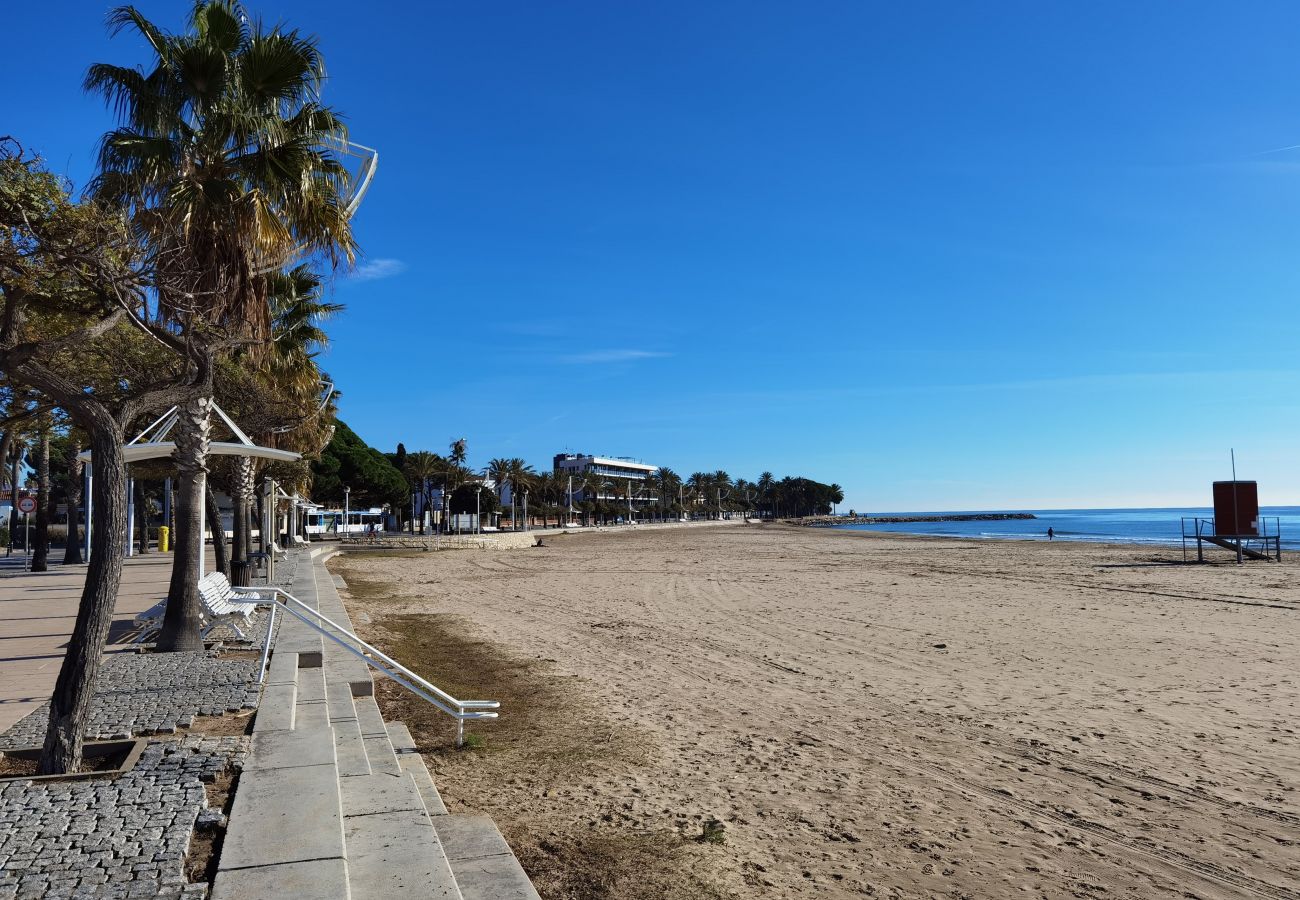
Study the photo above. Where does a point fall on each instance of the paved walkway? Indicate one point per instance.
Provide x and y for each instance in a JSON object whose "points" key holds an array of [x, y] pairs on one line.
{"points": [[37, 612]]}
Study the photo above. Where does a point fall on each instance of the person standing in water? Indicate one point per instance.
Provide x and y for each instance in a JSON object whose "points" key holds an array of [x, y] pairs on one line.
{"points": [[1051, 535]]}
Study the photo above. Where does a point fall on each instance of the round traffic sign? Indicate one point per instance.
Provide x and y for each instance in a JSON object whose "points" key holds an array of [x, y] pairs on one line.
{"points": [[27, 504]]}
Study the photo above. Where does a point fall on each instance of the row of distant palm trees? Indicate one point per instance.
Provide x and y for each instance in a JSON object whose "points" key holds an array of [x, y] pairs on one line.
{"points": [[594, 498]]}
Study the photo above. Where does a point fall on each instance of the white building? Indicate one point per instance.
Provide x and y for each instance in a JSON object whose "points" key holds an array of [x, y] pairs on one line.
{"points": [[612, 470]]}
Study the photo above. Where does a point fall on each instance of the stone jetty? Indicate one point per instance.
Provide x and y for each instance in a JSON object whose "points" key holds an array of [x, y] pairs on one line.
{"points": [[826, 521]]}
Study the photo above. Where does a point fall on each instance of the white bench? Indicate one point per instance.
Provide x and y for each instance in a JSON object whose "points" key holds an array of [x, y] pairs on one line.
{"points": [[150, 621], [222, 604]]}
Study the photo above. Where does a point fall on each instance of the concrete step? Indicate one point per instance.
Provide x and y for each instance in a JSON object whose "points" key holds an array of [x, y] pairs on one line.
{"points": [[311, 710], [483, 863], [348, 743], [275, 710], [412, 763], [379, 749], [397, 854], [391, 846], [285, 836]]}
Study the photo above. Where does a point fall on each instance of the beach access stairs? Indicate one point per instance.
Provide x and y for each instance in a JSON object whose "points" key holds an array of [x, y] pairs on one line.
{"points": [[334, 802]]}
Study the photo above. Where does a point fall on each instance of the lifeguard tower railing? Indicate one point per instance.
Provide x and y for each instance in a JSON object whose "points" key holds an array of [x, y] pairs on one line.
{"points": [[1267, 544]]}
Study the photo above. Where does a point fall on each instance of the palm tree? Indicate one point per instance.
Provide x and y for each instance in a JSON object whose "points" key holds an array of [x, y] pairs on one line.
{"points": [[667, 483], [224, 160], [422, 470], [589, 485], [721, 484], [766, 485], [520, 476]]}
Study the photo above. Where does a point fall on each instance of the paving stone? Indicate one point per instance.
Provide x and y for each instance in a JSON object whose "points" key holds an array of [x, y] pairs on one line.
{"points": [[150, 693], [120, 837], [317, 879]]}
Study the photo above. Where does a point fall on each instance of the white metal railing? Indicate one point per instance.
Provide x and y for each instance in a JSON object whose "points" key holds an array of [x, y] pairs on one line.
{"points": [[460, 710]]}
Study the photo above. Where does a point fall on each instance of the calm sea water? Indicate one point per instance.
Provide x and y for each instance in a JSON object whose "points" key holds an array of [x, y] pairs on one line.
{"points": [[1131, 526]]}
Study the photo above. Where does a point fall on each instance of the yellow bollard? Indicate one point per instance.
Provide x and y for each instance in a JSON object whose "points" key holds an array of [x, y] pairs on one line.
{"points": [[164, 538]]}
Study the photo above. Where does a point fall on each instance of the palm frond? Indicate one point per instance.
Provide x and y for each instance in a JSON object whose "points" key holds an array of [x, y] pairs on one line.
{"points": [[128, 16]]}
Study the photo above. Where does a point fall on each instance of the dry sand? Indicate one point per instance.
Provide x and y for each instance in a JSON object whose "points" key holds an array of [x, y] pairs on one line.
{"points": [[869, 715]]}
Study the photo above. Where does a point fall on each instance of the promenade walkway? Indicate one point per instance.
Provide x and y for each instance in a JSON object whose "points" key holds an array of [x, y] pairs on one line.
{"points": [[37, 612]]}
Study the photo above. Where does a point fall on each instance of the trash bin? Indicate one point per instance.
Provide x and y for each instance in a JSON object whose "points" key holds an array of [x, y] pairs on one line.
{"points": [[240, 572], [164, 539], [257, 566]]}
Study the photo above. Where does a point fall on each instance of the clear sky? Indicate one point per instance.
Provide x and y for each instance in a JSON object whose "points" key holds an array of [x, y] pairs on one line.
{"points": [[950, 255]]}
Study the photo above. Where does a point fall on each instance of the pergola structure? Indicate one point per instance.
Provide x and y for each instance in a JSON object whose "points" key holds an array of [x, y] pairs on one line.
{"points": [[152, 443]]}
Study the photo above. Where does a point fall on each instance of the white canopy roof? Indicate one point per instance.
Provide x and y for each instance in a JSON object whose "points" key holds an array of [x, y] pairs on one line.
{"points": [[149, 444]]}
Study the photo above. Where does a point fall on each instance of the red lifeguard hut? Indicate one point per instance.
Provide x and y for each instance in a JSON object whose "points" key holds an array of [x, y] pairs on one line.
{"points": [[1237, 525]]}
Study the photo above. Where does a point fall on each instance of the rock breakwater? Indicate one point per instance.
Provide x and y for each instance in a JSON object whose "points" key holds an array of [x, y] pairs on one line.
{"points": [[826, 521]]}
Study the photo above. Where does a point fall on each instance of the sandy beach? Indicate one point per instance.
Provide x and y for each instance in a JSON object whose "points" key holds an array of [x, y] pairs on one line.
{"points": [[868, 715]]}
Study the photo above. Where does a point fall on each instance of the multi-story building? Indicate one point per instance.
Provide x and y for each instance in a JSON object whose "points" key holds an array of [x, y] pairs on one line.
{"points": [[611, 470]]}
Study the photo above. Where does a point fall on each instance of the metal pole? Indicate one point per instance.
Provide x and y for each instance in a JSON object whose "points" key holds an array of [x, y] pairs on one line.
{"points": [[1236, 526], [525, 510], [478, 510], [27, 539], [86, 502], [167, 504], [203, 515], [13, 497], [130, 517], [347, 505], [268, 526]]}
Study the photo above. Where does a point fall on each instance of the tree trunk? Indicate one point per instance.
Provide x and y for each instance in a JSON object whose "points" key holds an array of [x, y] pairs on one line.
{"points": [[70, 703], [193, 430], [238, 529], [142, 516], [218, 532], [72, 550], [242, 499], [41, 556]]}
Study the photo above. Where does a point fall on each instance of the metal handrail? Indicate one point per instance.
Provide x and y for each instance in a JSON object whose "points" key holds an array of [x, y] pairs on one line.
{"points": [[460, 710]]}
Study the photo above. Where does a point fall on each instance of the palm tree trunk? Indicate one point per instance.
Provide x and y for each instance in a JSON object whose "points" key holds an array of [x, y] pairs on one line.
{"points": [[241, 497], [218, 531], [70, 703], [180, 631], [41, 555]]}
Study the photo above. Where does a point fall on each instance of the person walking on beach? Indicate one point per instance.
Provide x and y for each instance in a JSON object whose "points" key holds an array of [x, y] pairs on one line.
{"points": [[1051, 535]]}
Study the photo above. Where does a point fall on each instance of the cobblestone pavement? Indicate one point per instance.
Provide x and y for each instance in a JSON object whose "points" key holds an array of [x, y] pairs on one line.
{"points": [[114, 838], [152, 693], [128, 836]]}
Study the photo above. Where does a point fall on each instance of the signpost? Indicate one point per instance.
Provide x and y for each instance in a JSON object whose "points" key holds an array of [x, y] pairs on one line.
{"points": [[26, 506]]}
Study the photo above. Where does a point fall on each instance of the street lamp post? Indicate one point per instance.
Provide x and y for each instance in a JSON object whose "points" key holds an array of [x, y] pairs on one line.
{"points": [[526, 511], [478, 509], [347, 509]]}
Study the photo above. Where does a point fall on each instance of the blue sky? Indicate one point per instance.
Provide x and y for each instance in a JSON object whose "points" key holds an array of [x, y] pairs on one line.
{"points": [[949, 255]]}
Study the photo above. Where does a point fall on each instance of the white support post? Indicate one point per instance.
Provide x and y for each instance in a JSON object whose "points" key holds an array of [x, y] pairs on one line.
{"points": [[130, 517], [86, 503], [203, 516]]}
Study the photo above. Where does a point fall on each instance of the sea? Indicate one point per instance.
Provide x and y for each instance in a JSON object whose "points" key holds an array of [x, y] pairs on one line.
{"points": [[1128, 526]]}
